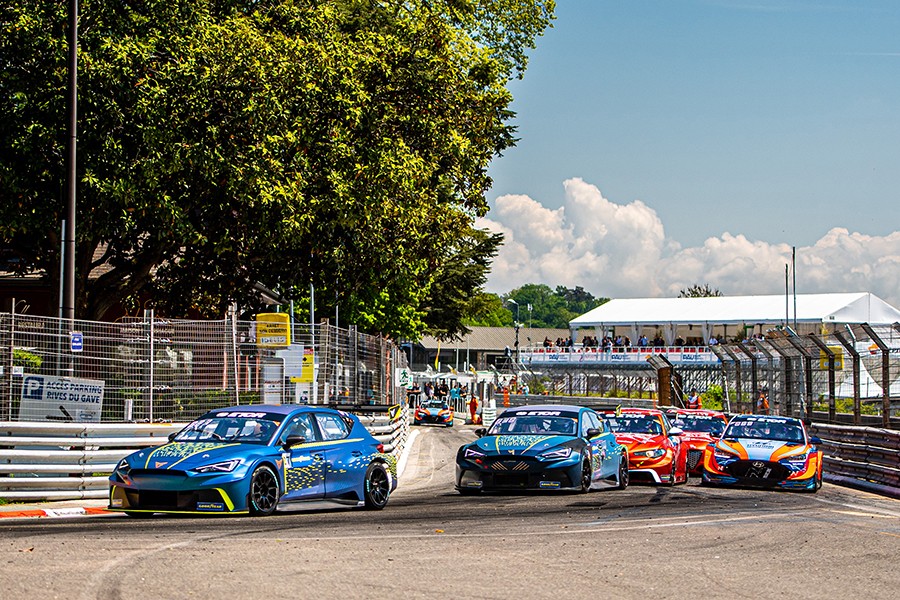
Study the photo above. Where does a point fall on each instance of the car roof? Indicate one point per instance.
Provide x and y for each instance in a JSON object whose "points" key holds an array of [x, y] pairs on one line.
{"points": [[768, 419], [636, 411], [699, 411], [565, 407], [271, 409]]}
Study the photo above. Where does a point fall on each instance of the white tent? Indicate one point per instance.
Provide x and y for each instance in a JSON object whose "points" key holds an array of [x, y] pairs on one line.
{"points": [[709, 312]]}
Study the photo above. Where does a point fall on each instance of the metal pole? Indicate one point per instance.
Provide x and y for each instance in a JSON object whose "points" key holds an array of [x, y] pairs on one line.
{"points": [[69, 302]]}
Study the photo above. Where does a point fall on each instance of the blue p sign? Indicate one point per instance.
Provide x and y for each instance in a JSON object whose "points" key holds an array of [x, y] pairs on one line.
{"points": [[77, 341], [33, 388]]}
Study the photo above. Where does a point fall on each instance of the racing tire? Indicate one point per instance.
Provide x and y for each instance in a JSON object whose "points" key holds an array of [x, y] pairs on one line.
{"points": [[623, 473], [587, 476], [376, 487], [263, 492]]}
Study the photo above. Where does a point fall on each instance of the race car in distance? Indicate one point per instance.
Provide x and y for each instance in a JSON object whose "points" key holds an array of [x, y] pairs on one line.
{"points": [[764, 451], [254, 459], [543, 448], [655, 450], [434, 410], [699, 427]]}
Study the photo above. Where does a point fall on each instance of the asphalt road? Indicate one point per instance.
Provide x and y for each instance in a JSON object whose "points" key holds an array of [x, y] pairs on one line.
{"points": [[644, 542]]}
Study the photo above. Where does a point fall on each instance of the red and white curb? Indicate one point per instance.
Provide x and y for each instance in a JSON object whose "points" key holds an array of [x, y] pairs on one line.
{"points": [[54, 512]]}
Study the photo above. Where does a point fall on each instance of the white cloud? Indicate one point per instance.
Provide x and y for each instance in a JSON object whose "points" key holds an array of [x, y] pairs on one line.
{"points": [[621, 251]]}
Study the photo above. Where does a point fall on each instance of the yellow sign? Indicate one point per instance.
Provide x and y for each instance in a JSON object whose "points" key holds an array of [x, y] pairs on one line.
{"points": [[273, 330], [307, 365], [838, 358]]}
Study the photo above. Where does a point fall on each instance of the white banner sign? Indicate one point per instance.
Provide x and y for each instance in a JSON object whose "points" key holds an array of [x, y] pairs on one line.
{"points": [[49, 398]]}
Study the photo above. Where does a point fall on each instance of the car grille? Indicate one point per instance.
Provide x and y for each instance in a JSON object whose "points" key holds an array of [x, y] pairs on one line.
{"points": [[693, 458], [510, 465], [758, 469], [167, 500]]}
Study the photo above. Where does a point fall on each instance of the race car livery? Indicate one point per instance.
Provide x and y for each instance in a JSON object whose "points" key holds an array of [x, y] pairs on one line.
{"points": [[764, 451], [699, 427], [433, 411], [655, 451], [543, 448], [255, 459]]}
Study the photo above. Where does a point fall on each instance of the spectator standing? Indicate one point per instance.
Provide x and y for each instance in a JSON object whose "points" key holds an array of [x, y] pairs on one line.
{"points": [[762, 403], [694, 400]]}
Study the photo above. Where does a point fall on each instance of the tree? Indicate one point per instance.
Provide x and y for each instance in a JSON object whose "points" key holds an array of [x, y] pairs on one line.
{"points": [[343, 143], [698, 291]]}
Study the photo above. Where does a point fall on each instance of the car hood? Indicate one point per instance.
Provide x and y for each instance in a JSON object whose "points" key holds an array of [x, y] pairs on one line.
{"points": [[520, 444], [640, 441], [757, 449], [696, 438], [433, 411], [187, 455]]}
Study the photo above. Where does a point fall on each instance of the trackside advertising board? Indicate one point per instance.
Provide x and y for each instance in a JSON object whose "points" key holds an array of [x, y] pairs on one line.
{"points": [[50, 398]]}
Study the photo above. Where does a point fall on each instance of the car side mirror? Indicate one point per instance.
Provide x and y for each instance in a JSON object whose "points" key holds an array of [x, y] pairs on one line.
{"points": [[675, 431], [815, 441], [481, 432], [293, 440], [172, 435], [593, 432]]}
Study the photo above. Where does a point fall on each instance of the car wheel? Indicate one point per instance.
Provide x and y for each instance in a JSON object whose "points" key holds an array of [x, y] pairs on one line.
{"points": [[587, 476], [377, 487], [623, 472], [263, 491]]}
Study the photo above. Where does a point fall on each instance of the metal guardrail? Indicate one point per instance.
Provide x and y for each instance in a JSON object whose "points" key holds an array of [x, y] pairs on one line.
{"points": [[72, 461], [863, 457]]}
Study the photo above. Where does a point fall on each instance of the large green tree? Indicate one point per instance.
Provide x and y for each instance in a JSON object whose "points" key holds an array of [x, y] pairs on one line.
{"points": [[339, 143]]}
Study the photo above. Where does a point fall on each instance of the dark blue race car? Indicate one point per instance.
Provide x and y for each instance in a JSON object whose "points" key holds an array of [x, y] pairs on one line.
{"points": [[543, 448], [254, 459]]}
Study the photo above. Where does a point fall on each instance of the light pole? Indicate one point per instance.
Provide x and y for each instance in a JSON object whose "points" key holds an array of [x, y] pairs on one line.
{"points": [[511, 301]]}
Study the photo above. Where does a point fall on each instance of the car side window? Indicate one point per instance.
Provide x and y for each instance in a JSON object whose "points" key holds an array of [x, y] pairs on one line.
{"points": [[332, 427], [597, 422], [585, 424], [300, 425]]}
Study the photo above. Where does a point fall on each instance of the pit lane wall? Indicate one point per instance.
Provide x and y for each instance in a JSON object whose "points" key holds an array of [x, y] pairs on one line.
{"points": [[42, 461]]}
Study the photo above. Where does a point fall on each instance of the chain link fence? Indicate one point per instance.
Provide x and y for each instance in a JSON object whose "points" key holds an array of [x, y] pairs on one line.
{"points": [[850, 375], [156, 369]]}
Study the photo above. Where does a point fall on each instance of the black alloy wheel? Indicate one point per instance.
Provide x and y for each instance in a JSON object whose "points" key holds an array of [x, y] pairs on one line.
{"points": [[587, 476], [623, 472], [377, 487], [263, 491]]}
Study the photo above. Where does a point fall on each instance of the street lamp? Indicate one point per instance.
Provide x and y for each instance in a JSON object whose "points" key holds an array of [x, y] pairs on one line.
{"points": [[511, 301]]}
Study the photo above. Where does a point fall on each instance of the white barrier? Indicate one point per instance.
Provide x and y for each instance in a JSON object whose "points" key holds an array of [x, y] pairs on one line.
{"points": [[64, 461]]}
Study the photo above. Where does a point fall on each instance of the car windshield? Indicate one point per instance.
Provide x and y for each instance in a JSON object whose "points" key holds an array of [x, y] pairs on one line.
{"points": [[242, 428], [701, 424], [434, 404], [635, 424], [534, 425], [767, 429]]}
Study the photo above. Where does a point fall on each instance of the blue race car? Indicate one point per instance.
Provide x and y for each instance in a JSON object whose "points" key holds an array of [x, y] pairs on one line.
{"points": [[543, 448], [254, 459]]}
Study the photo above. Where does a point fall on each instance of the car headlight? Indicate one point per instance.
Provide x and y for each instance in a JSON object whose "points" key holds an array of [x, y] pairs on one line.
{"points": [[472, 453], [722, 456], [655, 453], [556, 454], [226, 466], [123, 468], [796, 463]]}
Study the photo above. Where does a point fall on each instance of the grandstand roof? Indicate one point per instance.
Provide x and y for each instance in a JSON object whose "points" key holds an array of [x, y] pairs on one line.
{"points": [[858, 307]]}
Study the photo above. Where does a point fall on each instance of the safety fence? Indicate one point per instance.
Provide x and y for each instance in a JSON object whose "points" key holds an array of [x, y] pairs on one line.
{"points": [[853, 370], [69, 461], [864, 457], [151, 369]]}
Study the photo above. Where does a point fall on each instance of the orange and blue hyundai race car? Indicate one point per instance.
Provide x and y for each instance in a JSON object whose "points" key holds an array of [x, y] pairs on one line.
{"points": [[764, 451], [655, 450], [254, 459], [699, 427], [434, 411]]}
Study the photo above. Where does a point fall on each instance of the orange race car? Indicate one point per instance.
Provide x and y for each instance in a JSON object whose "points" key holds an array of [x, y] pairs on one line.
{"points": [[699, 427], [655, 450]]}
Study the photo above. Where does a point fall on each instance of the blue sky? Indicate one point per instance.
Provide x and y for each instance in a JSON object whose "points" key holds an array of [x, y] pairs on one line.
{"points": [[670, 142]]}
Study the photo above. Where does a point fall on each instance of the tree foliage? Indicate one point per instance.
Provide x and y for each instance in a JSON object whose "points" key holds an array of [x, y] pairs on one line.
{"points": [[549, 308], [699, 291], [221, 143]]}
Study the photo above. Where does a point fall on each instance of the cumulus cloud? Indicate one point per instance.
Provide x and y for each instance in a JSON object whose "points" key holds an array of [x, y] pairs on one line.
{"points": [[621, 251]]}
